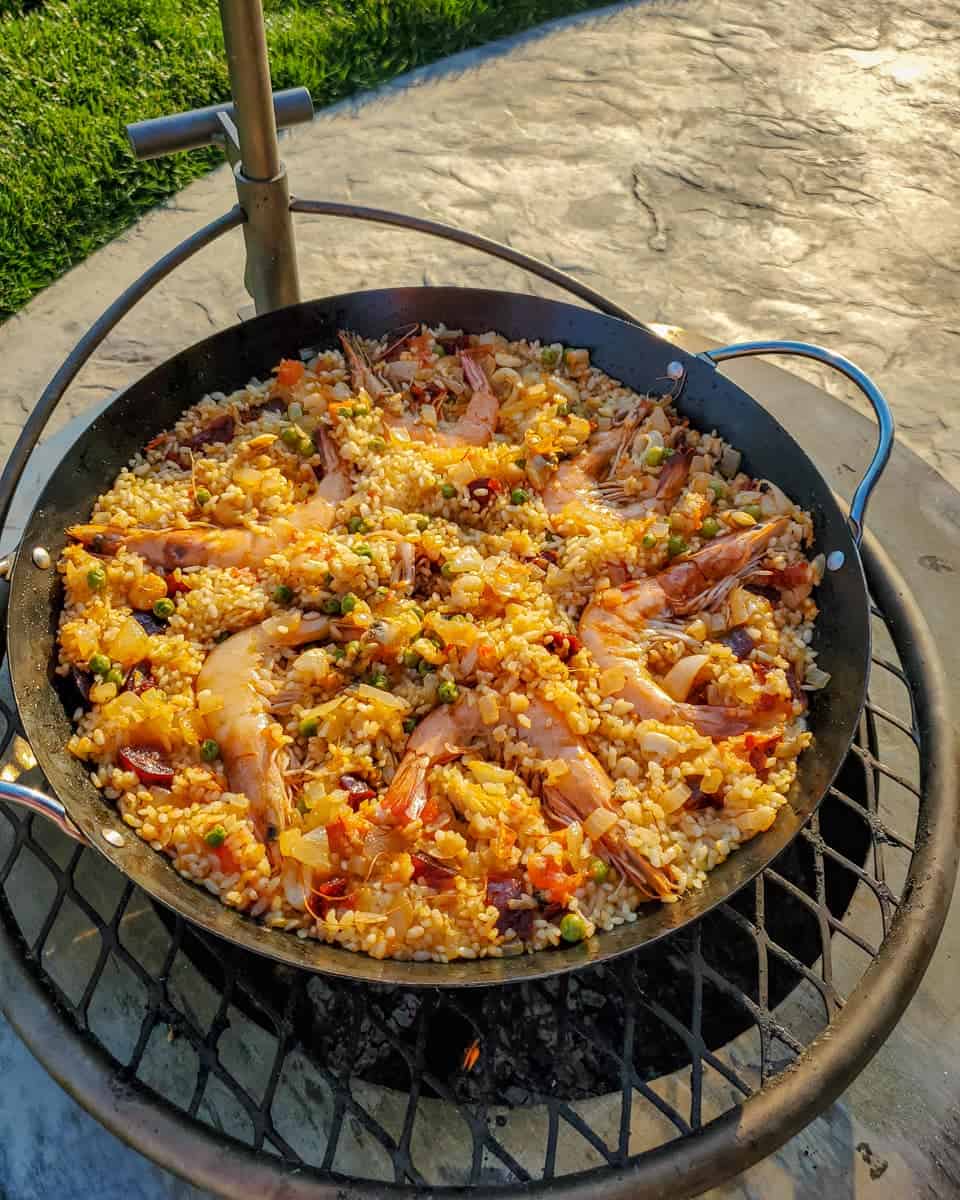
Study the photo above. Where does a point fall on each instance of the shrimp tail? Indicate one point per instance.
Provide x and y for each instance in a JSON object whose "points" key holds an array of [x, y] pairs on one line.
{"points": [[406, 796], [716, 720]]}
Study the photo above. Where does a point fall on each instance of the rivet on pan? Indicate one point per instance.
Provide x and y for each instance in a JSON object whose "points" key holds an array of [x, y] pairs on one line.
{"points": [[674, 370], [835, 560], [114, 838], [5, 565], [41, 557]]}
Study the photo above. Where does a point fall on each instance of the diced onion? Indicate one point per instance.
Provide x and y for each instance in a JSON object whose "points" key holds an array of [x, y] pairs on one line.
{"points": [[658, 744], [600, 821], [729, 463], [683, 675], [379, 696], [675, 798], [815, 680]]}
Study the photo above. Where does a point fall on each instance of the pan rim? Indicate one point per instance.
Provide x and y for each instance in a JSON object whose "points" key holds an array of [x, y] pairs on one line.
{"points": [[318, 956]]}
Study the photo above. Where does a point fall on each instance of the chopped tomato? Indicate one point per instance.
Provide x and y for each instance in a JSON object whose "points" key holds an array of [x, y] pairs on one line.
{"points": [[228, 864], [547, 876], [758, 748], [337, 838], [333, 893], [429, 812], [289, 372]]}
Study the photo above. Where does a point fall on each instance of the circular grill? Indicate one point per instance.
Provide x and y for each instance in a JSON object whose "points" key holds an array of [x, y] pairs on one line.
{"points": [[674, 1066]]}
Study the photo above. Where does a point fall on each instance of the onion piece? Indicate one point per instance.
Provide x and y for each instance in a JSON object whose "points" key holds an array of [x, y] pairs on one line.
{"points": [[658, 744], [815, 680], [600, 821], [681, 677], [675, 798], [729, 463]]}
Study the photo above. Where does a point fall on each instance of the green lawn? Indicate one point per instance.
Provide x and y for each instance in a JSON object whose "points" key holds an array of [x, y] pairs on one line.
{"points": [[74, 72]]}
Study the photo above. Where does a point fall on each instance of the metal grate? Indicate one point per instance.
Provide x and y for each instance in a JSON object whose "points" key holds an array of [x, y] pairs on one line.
{"points": [[587, 1073]]}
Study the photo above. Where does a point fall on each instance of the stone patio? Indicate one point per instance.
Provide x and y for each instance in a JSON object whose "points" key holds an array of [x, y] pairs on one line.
{"points": [[745, 170]]}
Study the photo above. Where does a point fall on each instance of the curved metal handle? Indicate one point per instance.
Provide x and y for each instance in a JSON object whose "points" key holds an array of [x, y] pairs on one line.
{"points": [[885, 433], [43, 804]]}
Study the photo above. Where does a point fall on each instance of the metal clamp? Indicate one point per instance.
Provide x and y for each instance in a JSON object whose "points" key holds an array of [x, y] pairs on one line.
{"points": [[46, 806], [885, 422]]}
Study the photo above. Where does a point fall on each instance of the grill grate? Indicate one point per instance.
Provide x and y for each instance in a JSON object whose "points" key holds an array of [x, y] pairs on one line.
{"points": [[582, 1073]]}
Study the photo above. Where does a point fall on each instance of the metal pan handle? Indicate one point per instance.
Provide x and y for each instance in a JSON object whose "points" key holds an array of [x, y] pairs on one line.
{"points": [[43, 804], [885, 434]]}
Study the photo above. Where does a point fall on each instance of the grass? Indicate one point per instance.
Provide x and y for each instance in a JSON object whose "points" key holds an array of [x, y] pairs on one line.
{"points": [[74, 72]]}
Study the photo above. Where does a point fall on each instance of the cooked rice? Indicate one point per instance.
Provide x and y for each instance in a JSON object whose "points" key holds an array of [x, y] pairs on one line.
{"points": [[491, 570]]}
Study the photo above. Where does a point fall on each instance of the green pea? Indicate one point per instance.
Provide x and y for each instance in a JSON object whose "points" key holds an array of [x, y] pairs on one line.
{"points": [[754, 511], [448, 491], [655, 456], [422, 522], [306, 447], [96, 578], [114, 675], [447, 692], [598, 870], [710, 527], [549, 356], [573, 928], [363, 550], [446, 570], [719, 489], [377, 445], [649, 541], [209, 749], [348, 603], [411, 659], [338, 653], [202, 497], [518, 496], [424, 668], [331, 606], [309, 726], [563, 409], [357, 525], [290, 435], [282, 594], [409, 724], [216, 836], [361, 410], [676, 545], [164, 609], [99, 664], [353, 649], [379, 679]]}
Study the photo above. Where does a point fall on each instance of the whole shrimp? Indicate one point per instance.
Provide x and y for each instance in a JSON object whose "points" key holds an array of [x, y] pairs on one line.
{"points": [[600, 471], [248, 737], [475, 427], [585, 786], [204, 545], [612, 625]]}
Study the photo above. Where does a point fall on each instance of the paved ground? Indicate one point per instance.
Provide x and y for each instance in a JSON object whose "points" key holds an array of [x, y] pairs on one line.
{"points": [[747, 170]]}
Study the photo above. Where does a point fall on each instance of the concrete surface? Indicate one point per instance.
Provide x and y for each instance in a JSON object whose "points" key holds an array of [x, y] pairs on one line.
{"points": [[759, 171], [747, 169]]}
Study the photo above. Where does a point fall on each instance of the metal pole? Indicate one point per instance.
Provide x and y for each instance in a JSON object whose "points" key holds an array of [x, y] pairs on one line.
{"points": [[271, 275]]}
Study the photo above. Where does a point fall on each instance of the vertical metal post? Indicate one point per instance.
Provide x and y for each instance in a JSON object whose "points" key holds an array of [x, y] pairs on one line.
{"points": [[271, 275]]}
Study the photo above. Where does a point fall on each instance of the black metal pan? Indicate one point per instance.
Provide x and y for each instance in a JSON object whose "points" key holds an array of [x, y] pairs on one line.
{"points": [[626, 351]]}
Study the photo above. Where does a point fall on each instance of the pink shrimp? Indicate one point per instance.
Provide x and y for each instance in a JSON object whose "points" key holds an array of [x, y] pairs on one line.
{"points": [[205, 545], [612, 624]]}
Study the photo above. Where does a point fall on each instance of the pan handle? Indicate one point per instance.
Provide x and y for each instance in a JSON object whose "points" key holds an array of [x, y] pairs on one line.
{"points": [[43, 804], [885, 434]]}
